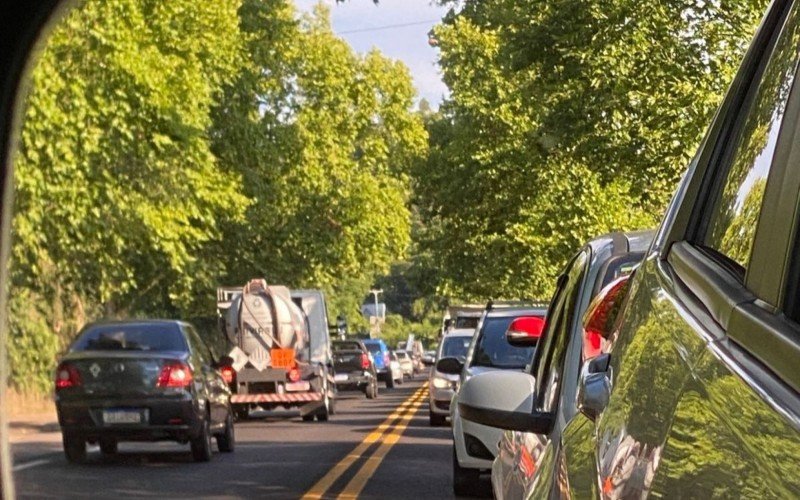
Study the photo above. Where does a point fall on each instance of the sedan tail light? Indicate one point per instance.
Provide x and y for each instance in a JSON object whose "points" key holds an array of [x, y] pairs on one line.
{"points": [[175, 374], [364, 361], [293, 375], [67, 376], [601, 315]]}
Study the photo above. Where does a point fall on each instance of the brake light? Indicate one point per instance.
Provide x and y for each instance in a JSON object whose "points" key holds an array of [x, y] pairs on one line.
{"points": [[67, 376], [364, 361], [175, 374], [598, 323], [294, 375], [228, 374]]}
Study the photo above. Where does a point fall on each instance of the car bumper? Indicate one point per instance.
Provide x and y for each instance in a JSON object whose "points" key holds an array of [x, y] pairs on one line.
{"points": [[352, 379], [475, 436], [175, 418], [439, 400]]}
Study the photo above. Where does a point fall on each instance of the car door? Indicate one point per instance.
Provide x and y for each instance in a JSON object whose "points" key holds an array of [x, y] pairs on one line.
{"points": [[217, 392], [522, 456], [704, 398]]}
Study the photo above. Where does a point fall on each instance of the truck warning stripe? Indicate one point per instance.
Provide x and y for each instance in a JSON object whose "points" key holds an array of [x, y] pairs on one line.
{"points": [[410, 405], [276, 398]]}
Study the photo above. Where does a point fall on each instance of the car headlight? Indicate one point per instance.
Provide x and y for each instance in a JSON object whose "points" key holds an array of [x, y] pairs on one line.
{"points": [[441, 383]]}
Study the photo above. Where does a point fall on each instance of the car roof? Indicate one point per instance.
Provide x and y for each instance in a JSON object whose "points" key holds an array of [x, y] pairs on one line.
{"points": [[120, 322], [460, 332], [505, 312]]}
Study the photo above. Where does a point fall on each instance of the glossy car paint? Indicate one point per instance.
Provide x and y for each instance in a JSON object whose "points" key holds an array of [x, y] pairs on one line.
{"points": [[522, 454], [439, 397]]}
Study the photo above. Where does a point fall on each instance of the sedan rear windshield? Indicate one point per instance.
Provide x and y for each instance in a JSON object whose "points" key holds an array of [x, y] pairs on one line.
{"points": [[455, 347], [494, 351], [346, 346], [133, 337]]}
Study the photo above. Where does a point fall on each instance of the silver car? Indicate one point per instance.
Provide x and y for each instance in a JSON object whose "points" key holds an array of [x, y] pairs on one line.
{"points": [[442, 386]]}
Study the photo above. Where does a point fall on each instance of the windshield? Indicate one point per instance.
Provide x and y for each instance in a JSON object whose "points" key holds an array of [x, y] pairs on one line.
{"points": [[492, 349], [455, 347], [141, 337], [466, 322]]}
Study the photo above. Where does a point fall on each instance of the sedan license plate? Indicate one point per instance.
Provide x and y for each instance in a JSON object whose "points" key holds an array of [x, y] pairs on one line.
{"points": [[122, 416], [340, 377]]}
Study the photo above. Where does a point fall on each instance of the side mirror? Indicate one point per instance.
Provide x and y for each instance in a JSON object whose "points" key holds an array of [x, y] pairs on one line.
{"points": [[525, 331], [594, 387], [503, 399], [450, 366]]}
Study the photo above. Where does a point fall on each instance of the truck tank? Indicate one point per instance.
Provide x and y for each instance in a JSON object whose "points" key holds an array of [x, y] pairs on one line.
{"points": [[263, 318]]}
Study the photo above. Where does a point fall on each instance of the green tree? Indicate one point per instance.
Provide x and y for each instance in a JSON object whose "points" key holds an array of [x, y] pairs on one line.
{"points": [[565, 120], [118, 192], [324, 139]]}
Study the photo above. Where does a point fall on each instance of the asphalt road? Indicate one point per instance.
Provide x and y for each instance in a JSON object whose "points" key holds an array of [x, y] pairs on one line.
{"points": [[381, 448]]}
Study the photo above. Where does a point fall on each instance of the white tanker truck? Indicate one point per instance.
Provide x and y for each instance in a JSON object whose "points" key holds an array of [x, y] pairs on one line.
{"points": [[281, 356]]}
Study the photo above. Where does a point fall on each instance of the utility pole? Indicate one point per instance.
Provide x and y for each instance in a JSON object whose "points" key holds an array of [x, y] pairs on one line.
{"points": [[375, 293]]}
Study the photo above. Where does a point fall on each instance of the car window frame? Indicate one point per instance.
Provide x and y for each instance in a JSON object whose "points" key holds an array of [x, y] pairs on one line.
{"points": [[745, 317], [546, 349]]}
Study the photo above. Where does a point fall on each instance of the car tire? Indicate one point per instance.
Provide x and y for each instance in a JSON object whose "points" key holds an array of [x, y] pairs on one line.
{"points": [[74, 448], [108, 447], [226, 442], [436, 420], [389, 382], [465, 481], [308, 418], [325, 411], [201, 444], [371, 391], [400, 380]]}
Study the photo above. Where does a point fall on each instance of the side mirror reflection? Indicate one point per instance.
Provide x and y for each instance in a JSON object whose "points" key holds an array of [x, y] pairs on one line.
{"points": [[450, 366]]}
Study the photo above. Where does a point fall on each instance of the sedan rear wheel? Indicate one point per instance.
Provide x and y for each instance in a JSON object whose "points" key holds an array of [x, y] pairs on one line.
{"points": [[74, 448], [201, 445]]}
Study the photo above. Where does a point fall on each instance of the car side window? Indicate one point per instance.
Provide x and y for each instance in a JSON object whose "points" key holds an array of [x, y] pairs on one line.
{"points": [[560, 319], [737, 203]]}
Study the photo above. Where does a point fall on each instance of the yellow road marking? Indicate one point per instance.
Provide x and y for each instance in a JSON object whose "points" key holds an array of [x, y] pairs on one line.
{"points": [[354, 487], [340, 468]]}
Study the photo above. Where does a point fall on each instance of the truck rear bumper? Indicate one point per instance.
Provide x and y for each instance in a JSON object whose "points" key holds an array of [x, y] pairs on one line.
{"points": [[285, 398]]}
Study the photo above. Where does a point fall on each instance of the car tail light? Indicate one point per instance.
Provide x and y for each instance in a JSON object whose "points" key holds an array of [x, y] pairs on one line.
{"points": [[293, 375], [598, 323], [228, 374], [67, 376], [364, 361], [175, 374]]}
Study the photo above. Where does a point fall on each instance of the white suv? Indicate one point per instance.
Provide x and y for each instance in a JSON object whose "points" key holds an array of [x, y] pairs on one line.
{"points": [[475, 445]]}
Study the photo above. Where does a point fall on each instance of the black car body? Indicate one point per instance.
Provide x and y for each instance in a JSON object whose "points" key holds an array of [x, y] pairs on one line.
{"points": [[141, 381], [353, 367]]}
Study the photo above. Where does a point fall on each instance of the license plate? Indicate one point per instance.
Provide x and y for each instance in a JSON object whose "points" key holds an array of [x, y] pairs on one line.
{"points": [[340, 377], [298, 386], [122, 416]]}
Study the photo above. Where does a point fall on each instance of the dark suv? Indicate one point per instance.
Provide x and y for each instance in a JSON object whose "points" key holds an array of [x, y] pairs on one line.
{"points": [[697, 391]]}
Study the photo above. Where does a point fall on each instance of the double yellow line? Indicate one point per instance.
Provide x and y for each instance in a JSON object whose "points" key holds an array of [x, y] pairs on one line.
{"points": [[388, 433]]}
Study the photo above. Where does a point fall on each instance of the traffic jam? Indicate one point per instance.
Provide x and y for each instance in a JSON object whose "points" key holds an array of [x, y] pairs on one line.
{"points": [[158, 380]]}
